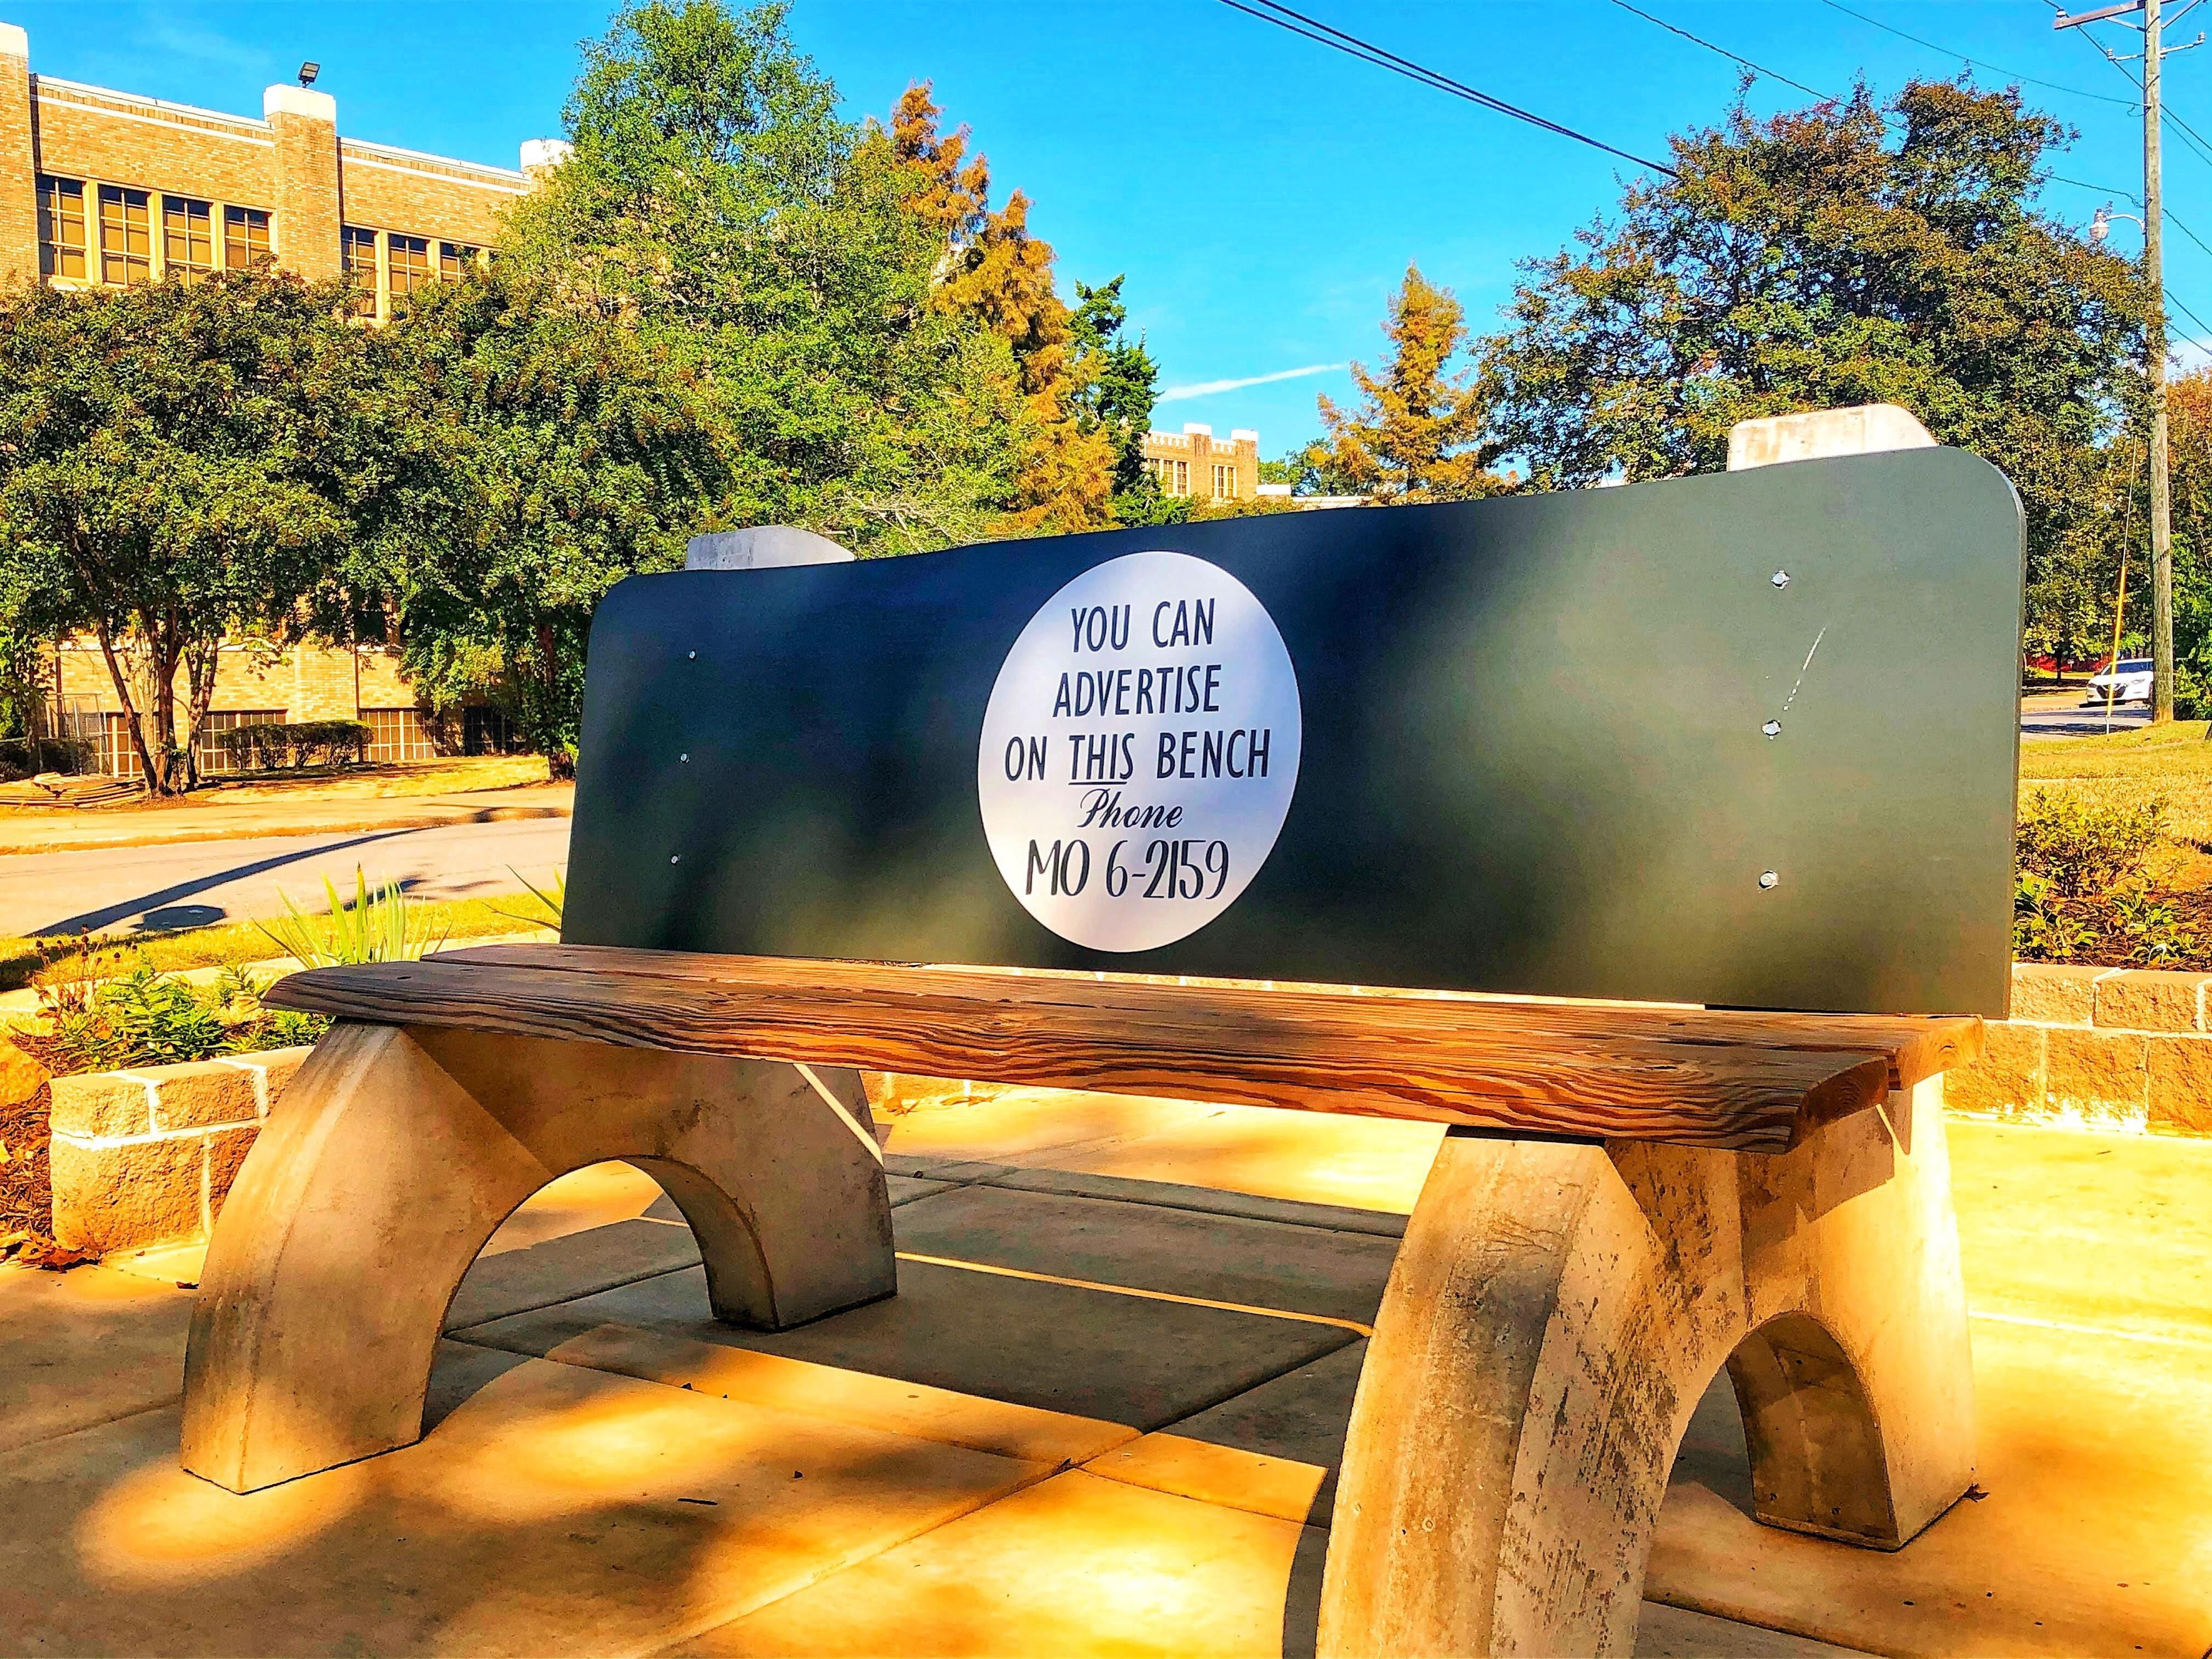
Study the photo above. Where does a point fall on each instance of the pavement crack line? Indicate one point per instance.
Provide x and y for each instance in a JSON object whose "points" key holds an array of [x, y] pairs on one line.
{"points": [[1352, 1325]]}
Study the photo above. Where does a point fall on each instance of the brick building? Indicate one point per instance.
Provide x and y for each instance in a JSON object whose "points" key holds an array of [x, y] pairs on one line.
{"points": [[97, 186], [1195, 463]]}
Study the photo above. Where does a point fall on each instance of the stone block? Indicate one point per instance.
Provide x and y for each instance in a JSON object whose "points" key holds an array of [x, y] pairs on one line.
{"points": [[2055, 994], [198, 1095], [2101, 1076], [2149, 1000], [2180, 1086], [2008, 1078], [97, 1105], [126, 1195], [269, 1072]]}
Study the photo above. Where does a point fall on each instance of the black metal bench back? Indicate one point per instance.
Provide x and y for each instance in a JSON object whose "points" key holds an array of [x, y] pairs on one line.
{"points": [[1740, 739]]}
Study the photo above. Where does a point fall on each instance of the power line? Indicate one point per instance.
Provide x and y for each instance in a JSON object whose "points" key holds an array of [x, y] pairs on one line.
{"points": [[1979, 63], [2168, 217], [1352, 46], [1829, 98], [1733, 56], [2193, 141], [2203, 329]]}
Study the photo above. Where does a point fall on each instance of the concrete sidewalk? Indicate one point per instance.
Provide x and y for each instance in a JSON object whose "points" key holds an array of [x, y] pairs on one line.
{"points": [[59, 830], [1101, 1416]]}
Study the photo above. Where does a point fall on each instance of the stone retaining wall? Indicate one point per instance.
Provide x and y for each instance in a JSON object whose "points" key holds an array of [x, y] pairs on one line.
{"points": [[2117, 1049], [144, 1158]]}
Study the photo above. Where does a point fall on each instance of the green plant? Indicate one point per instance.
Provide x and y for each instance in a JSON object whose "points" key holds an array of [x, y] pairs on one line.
{"points": [[159, 1020], [552, 905], [2151, 925], [2081, 846], [380, 927], [2043, 929]]}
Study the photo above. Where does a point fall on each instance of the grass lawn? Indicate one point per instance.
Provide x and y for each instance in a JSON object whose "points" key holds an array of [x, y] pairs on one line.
{"points": [[437, 777], [243, 942], [412, 780], [2172, 763]]}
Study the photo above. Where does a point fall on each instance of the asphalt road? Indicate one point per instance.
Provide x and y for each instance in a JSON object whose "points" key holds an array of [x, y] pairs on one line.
{"points": [[2060, 714], [126, 889]]}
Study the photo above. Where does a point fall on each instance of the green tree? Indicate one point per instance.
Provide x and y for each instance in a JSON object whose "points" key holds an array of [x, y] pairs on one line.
{"points": [[1418, 434], [164, 479], [717, 205], [1118, 395], [1844, 253], [540, 451]]}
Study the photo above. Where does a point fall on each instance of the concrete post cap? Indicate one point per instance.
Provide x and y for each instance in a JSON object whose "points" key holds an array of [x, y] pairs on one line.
{"points": [[14, 42], [304, 101], [541, 153], [1864, 429], [763, 547]]}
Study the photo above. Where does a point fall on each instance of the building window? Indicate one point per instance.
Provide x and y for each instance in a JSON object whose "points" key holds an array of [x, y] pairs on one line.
{"points": [[126, 237], [454, 259], [357, 251], [1224, 483], [1182, 478], [61, 227], [187, 239], [245, 238], [411, 262]]}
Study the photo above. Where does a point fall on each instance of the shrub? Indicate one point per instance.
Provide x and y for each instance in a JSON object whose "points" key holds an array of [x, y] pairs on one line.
{"points": [[22, 757], [2081, 846], [144, 1018], [379, 926], [266, 746]]}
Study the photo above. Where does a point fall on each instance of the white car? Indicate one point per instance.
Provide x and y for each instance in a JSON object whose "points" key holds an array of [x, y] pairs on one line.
{"points": [[2130, 674]]}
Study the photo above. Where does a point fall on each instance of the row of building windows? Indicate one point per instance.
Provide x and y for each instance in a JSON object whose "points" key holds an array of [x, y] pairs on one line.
{"points": [[125, 246], [408, 263], [123, 252], [1174, 478]]}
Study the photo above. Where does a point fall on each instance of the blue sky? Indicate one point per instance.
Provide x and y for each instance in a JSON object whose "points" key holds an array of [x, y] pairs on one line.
{"points": [[1262, 194]]}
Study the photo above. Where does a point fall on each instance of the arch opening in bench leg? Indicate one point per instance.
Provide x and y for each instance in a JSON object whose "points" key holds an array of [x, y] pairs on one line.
{"points": [[394, 1155], [784, 1191], [1816, 1453], [1856, 1381]]}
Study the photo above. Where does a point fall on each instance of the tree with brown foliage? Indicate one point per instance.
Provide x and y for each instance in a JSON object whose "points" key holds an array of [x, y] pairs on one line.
{"points": [[1418, 434], [995, 272]]}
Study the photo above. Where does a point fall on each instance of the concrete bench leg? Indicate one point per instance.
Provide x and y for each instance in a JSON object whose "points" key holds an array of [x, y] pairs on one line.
{"points": [[1556, 1312], [393, 1156]]}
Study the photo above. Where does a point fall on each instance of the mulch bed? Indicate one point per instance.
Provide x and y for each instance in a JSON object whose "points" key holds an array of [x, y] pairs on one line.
{"points": [[2105, 945], [26, 1196]]}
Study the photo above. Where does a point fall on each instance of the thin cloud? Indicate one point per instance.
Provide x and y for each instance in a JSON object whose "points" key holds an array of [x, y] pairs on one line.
{"points": [[1176, 394]]}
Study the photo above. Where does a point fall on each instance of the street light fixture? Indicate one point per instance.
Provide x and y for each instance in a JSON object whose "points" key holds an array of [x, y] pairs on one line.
{"points": [[2100, 225]]}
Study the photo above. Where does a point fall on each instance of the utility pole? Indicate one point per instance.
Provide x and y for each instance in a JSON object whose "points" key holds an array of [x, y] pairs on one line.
{"points": [[2161, 505], [2162, 522]]}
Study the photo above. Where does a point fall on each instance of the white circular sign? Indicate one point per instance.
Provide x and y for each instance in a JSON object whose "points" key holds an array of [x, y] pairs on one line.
{"points": [[1139, 751]]}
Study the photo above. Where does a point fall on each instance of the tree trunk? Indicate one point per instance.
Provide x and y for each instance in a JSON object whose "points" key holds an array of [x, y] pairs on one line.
{"points": [[121, 679], [202, 658]]}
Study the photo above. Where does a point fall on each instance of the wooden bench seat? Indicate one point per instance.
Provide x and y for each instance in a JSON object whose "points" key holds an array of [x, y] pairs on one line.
{"points": [[1752, 1082]]}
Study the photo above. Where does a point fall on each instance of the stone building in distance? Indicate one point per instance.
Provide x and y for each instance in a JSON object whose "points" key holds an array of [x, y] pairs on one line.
{"points": [[1195, 463], [105, 187]]}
